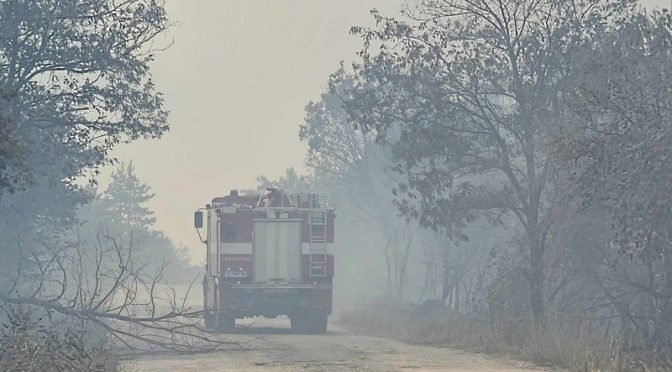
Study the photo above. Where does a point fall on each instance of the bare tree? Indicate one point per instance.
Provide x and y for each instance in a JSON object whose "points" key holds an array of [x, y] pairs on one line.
{"points": [[110, 287]]}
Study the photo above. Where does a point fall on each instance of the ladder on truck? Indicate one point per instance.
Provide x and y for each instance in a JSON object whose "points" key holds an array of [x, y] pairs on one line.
{"points": [[318, 243]]}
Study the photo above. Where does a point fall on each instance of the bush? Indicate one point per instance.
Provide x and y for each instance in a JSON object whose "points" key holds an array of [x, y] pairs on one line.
{"points": [[566, 341], [381, 317], [31, 341]]}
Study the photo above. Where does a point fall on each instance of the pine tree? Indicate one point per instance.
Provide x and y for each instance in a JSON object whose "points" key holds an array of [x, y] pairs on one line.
{"points": [[125, 199]]}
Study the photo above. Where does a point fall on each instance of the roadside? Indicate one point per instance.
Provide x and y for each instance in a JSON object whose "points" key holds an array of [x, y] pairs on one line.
{"points": [[273, 347], [562, 345]]}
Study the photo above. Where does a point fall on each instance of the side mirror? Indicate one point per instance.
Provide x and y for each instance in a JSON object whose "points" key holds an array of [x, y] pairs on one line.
{"points": [[198, 219]]}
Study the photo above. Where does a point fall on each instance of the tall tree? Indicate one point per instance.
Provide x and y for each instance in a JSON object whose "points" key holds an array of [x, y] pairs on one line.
{"points": [[125, 199], [617, 149], [75, 80], [82, 67], [355, 168], [13, 172], [473, 87]]}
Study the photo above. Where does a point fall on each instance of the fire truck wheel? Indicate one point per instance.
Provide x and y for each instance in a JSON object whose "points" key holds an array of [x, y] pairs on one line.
{"points": [[226, 323], [209, 320], [297, 323], [319, 325], [309, 323]]}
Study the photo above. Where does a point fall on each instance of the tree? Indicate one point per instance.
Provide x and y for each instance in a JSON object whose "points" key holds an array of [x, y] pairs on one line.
{"points": [[121, 212], [125, 199], [617, 150], [473, 86], [109, 287], [76, 77], [13, 174], [353, 166], [75, 82], [291, 182]]}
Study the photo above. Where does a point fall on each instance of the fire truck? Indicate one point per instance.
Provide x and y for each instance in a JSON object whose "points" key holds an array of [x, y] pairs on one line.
{"points": [[268, 254]]}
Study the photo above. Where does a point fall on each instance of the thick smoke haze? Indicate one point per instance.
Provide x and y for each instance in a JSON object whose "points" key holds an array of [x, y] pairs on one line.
{"points": [[497, 174], [236, 79]]}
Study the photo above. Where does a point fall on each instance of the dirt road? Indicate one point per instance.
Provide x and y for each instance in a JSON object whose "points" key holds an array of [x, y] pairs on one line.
{"points": [[275, 348]]}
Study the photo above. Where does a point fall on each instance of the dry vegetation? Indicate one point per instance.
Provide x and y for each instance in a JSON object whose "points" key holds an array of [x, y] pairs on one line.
{"points": [[30, 341], [571, 342]]}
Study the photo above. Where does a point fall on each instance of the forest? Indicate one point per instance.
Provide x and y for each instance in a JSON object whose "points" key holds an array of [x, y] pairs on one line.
{"points": [[507, 160], [500, 171]]}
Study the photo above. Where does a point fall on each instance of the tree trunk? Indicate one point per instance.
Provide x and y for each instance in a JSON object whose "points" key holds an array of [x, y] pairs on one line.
{"points": [[425, 285], [457, 294], [388, 267], [536, 280], [535, 240], [447, 285], [403, 264]]}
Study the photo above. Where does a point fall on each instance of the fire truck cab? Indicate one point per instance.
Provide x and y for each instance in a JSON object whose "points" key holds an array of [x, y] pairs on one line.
{"points": [[268, 254]]}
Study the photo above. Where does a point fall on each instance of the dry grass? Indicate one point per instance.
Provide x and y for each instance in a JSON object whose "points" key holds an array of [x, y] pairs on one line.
{"points": [[565, 342], [29, 342]]}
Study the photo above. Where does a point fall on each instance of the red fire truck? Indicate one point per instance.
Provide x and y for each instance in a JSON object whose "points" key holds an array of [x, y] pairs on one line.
{"points": [[268, 254]]}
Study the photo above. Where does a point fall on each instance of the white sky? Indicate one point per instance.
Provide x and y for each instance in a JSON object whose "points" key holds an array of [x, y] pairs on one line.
{"points": [[236, 80]]}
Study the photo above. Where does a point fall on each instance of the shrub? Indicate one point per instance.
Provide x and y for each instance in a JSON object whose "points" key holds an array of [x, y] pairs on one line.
{"points": [[566, 341], [31, 340]]}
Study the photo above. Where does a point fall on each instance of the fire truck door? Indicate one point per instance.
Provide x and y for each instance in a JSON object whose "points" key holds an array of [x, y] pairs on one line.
{"points": [[277, 250]]}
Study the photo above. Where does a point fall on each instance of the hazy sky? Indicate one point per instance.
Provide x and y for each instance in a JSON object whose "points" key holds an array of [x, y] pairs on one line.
{"points": [[236, 80]]}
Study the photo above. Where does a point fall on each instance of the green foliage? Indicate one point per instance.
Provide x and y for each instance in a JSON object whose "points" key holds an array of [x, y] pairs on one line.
{"points": [[527, 111], [121, 212], [76, 77], [13, 172], [616, 148], [550, 119], [75, 80], [125, 199], [352, 167], [506, 296], [472, 89]]}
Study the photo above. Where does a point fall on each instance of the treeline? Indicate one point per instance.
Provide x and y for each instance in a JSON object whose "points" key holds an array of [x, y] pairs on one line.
{"points": [[80, 268], [512, 160], [120, 211]]}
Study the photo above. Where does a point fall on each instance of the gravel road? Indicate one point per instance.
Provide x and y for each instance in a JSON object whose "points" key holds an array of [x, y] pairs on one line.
{"points": [[274, 348]]}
